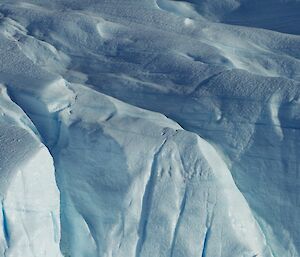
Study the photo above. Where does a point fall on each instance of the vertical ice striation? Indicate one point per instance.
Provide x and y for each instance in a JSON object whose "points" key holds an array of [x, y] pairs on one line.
{"points": [[134, 183], [225, 183], [29, 196]]}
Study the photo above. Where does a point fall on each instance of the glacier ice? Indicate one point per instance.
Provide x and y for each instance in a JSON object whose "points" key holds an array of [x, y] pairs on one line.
{"points": [[114, 202], [172, 127], [30, 206]]}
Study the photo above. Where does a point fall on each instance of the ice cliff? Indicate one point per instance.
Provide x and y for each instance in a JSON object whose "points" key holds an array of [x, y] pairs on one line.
{"points": [[149, 128]]}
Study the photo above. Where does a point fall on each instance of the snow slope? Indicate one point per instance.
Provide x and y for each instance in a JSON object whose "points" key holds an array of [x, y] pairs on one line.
{"points": [[278, 15], [225, 182]]}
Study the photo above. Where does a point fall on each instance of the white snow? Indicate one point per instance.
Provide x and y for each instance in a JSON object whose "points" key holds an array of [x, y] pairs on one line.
{"points": [[172, 127]]}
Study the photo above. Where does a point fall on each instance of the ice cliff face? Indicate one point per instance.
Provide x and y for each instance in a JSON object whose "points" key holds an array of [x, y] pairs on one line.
{"points": [[30, 224], [129, 181]]}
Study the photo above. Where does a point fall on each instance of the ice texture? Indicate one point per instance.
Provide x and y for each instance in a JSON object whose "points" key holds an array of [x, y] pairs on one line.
{"points": [[30, 204], [141, 128]]}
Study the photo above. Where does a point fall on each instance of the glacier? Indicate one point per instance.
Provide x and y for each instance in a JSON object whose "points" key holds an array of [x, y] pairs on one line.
{"points": [[30, 201], [150, 128]]}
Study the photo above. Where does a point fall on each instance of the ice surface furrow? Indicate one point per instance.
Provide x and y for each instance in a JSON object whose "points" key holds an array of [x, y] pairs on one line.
{"points": [[178, 222], [147, 202], [5, 225], [204, 82], [205, 241], [56, 227]]}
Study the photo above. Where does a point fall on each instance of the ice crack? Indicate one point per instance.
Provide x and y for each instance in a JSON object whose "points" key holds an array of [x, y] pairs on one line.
{"points": [[147, 202]]}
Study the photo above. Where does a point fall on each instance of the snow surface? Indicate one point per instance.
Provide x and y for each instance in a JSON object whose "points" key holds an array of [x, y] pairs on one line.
{"points": [[173, 128]]}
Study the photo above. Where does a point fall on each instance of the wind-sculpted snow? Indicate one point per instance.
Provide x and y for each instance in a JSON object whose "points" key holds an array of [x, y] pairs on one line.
{"points": [[278, 15], [133, 182]]}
